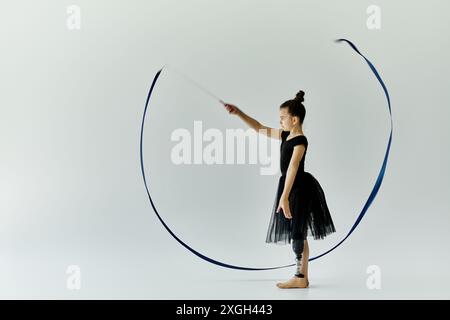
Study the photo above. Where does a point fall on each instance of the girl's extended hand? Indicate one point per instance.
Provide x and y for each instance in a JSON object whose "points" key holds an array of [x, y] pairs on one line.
{"points": [[284, 204], [232, 109]]}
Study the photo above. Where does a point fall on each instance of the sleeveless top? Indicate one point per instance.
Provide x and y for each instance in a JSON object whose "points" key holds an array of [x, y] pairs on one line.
{"points": [[286, 150]]}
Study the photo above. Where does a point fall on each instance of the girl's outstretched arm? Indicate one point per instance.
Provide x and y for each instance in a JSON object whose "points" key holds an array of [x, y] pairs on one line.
{"points": [[253, 123]]}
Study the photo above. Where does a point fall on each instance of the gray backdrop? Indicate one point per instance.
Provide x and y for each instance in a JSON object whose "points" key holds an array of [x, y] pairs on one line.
{"points": [[71, 189]]}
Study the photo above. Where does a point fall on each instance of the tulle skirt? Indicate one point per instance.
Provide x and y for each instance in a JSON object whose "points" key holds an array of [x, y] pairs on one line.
{"points": [[309, 210]]}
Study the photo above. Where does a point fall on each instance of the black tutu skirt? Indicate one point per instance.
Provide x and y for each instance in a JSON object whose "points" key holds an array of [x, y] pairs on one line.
{"points": [[309, 210]]}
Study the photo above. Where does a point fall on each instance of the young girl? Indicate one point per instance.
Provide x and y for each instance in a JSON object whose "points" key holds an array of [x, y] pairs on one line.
{"points": [[300, 207]]}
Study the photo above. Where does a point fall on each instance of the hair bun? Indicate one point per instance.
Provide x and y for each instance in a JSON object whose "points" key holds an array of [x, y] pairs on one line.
{"points": [[300, 96]]}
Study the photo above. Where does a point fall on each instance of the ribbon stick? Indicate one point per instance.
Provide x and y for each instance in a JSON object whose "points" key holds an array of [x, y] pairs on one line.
{"points": [[196, 84]]}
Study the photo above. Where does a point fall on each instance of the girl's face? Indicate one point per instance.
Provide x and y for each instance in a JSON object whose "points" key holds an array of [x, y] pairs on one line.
{"points": [[286, 120]]}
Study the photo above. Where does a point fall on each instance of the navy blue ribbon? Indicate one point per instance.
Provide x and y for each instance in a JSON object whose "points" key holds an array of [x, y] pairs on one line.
{"points": [[358, 220], [377, 185]]}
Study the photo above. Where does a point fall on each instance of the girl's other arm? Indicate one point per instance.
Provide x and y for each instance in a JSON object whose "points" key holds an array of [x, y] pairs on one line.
{"points": [[297, 156]]}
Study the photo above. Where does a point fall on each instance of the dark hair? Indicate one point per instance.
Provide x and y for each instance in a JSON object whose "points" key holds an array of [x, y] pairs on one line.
{"points": [[295, 106]]}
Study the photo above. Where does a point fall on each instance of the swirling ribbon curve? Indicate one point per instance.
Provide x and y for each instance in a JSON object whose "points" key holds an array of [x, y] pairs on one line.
{"points": [[366, 206]]}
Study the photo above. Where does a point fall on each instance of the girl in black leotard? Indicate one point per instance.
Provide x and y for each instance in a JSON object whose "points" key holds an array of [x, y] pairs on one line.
{"points": [[300, 208]]}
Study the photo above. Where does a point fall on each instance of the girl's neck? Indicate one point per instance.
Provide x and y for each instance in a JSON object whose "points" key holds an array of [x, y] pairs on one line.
{"points": [[296, 131]]}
